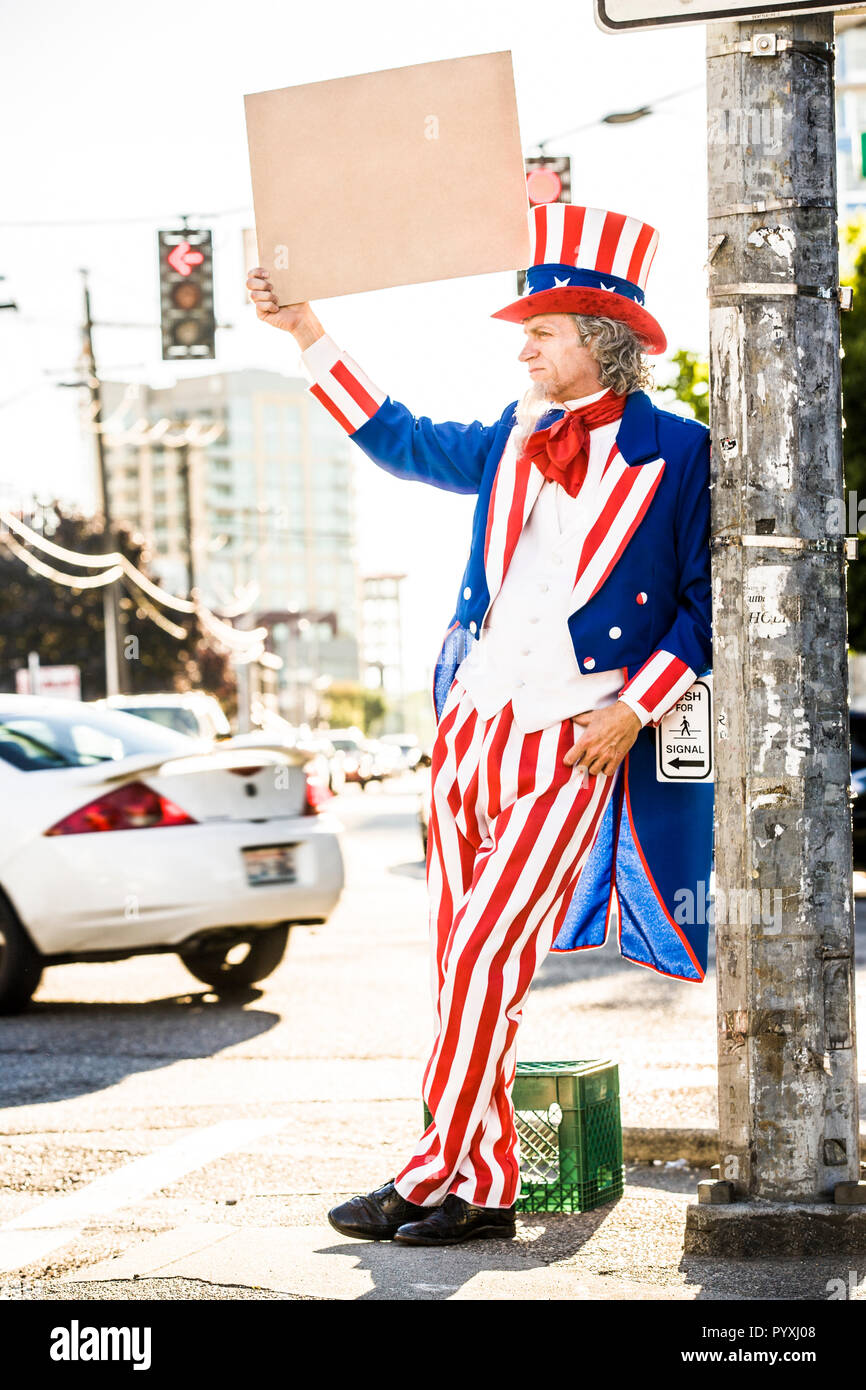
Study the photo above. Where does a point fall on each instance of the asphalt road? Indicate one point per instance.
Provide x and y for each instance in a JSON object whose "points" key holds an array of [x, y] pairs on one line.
{"points": [[155, 1138]]}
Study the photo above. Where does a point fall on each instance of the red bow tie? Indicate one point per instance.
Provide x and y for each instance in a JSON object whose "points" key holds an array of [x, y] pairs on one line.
{"points": [[562, 450]]}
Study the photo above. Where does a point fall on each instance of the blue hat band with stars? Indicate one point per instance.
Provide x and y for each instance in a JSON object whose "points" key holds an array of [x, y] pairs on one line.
{"points": [[557, 277]]}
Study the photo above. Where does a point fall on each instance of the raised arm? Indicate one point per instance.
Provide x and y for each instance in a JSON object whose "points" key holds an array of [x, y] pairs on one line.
{"points": [[447, 455]]}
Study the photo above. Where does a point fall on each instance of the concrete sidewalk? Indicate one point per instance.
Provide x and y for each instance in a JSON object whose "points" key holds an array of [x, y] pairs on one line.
{"points": [[628, 1250]]}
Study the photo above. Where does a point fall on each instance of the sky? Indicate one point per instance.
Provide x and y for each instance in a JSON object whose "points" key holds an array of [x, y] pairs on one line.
{"points": [[116, 123]]}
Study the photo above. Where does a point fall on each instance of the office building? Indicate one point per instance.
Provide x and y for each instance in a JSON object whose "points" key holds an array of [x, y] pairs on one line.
{"points": [[271, 500]]}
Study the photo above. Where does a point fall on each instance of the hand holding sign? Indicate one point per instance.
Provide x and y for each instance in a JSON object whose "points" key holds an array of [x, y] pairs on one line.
{"points": [[297, 319]]}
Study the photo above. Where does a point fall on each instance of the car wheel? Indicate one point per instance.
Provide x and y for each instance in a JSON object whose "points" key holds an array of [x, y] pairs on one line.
{"points": [[20, 963], [214, 966]]}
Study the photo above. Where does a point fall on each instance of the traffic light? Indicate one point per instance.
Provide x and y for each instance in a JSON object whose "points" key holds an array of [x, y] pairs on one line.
{"points": [[186, 294], [548, 180]]}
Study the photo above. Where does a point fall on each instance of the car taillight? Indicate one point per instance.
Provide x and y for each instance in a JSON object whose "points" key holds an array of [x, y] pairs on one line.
{"points": [[317, 793], [133, 807]]}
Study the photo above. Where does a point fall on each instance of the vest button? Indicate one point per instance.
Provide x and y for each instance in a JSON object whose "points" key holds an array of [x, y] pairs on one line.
{"points": [[467, 592], [641, 597], [615, 632], [589, 662], [473, 627]]}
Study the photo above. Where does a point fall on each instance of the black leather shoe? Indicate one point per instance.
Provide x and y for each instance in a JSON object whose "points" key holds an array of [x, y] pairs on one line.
{"points": [[377, 1216], [456, 1221]]}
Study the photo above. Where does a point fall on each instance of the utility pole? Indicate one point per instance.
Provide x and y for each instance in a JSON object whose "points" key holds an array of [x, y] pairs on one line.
{"points": [[110, 592], [188, 521], [788, 1111]]}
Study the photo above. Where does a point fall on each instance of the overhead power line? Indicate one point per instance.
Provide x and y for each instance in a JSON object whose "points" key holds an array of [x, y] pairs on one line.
{"points": [[619, 117]]}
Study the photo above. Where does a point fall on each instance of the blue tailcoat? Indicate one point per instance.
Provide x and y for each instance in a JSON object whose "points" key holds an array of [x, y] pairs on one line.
{"points": [[651, 862]]}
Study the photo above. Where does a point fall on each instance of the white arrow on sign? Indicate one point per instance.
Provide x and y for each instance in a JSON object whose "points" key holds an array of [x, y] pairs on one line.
{"points": [[613, 16], [684, 739]]}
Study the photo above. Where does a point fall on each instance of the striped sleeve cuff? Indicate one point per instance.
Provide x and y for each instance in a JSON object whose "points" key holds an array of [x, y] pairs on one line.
{"points": [[656, 686], [338, 382], [636, 707]]}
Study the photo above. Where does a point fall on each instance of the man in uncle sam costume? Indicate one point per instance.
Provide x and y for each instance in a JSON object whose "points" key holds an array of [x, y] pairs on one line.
{"points": [[583, 615]]}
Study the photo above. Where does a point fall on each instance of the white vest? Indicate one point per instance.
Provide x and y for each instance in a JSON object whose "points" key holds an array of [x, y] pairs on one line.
{"points": [[524, 652]]}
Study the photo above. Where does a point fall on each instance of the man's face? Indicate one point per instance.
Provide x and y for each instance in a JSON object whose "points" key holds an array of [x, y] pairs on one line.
{"points": [[557, 361]]}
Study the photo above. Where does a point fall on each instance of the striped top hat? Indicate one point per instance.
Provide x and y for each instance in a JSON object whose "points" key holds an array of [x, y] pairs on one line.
{"points": [[589, 261]]}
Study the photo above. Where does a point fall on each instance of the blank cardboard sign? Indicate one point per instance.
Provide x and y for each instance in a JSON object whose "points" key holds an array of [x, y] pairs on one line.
{"points": [[389, 178]]}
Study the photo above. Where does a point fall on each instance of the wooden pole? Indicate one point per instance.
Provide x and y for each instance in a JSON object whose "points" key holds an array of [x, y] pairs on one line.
{"points": [[788, 1110]]}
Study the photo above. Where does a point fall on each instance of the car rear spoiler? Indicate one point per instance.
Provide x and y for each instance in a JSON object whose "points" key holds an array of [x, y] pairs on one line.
{"points": [[225, 760]]}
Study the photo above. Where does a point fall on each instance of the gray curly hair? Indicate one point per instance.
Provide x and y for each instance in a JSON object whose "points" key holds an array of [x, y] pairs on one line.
{"points": [[622, 366], [619, 352]]}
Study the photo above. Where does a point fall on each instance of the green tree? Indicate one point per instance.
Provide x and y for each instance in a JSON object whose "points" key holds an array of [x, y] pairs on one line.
{"points": [[352, 705], [691, 383], [65, 625]]}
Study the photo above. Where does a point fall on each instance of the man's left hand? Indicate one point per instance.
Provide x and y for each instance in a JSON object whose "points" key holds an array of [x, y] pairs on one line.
{"points": [[609, 734]]}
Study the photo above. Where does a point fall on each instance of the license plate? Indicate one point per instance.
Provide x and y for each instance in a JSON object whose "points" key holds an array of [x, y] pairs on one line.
{"points": [[270, 864]]}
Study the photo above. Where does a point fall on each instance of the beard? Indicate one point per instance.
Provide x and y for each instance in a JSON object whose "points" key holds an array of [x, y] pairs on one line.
{"points": [[534, 403]]}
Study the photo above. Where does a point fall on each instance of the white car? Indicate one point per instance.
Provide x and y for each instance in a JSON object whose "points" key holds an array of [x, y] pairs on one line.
{"points": [[192, 712], [121, 837], [201, 716]]}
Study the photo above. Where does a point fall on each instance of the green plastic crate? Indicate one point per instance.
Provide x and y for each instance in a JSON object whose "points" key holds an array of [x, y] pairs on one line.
{"points": [[568, 1122]]}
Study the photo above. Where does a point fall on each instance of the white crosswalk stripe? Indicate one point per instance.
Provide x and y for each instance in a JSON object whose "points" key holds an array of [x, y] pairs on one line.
{"points": [[35, 1233]]}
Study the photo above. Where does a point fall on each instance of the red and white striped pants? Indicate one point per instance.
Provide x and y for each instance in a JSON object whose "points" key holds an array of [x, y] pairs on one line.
{"points": [[510, 829]]}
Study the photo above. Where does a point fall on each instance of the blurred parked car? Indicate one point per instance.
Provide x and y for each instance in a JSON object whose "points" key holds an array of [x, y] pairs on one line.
{"points": [[410, 750], [201, 716], [232, 855], [193, 713], [387, 759], [358, 761], [325, 763]]}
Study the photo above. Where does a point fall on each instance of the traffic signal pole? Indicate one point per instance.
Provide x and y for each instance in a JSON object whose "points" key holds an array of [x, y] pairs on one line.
{"points": [[110, 605], [788, 1109]]}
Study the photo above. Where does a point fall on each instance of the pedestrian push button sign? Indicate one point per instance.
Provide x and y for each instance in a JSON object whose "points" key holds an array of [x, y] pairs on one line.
{"points": [[684, 744]]}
